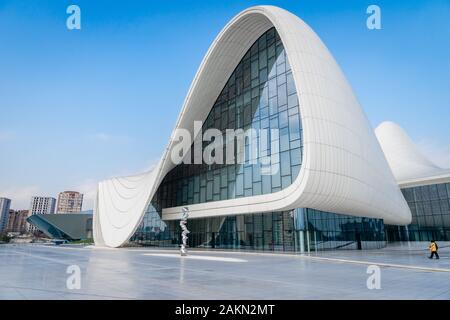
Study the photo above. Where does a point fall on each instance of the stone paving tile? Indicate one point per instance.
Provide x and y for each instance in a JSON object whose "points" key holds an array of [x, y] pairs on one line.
{"points": [[39, 272]]}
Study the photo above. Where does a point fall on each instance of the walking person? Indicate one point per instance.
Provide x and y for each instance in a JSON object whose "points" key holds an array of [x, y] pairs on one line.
{"points": [[433, 249]]}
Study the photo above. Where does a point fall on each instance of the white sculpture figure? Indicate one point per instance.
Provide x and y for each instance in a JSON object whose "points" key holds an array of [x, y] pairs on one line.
{"points": [[184, 231]]}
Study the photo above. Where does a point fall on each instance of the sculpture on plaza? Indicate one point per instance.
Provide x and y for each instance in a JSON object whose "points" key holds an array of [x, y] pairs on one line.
{"points": [[184, 231]]}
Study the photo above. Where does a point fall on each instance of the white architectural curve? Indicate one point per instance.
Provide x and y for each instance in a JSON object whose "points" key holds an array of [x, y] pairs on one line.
{"points": [[343, 168], [407, 162]]}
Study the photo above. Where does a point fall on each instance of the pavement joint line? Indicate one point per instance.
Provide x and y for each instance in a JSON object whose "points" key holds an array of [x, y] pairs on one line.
{"points": [[307, 256], [382, 264], [193, 257]]}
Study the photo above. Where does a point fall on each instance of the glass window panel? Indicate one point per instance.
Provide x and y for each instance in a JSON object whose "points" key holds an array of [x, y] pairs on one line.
{"points": [[209, 191], [427, 208], [429, 221], [442, 191], [257, 188], [254, 69], [280, 54], [281, 68], [283, 119], [285, 163], [273, 106], [445, 208], [292, 101], [266, 184], [223, 193], [276, 177], [262, 59], [295, 144], [290, 84], [231, 190], [248, 177], [295, 171], [446, 220], [435, 207], [284, 139], [282, 97], [433, 192], [294, 128], [264, 96], [263, 75], [272, 88], [240, 185], [296, 157], [256, 172]]}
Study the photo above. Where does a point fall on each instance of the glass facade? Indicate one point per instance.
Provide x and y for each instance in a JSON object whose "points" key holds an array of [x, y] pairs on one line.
{"points": [[430, 209], [327, 231], [272, 231], [299, 230], [261, 95]]}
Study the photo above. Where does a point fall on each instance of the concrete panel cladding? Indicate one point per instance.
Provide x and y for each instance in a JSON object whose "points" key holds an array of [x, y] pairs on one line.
{"points": [[343, 168]]}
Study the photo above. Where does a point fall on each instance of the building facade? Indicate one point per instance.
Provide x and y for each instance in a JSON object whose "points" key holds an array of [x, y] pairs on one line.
{"points": [[41, 205], [5, 205], [425, 186], [18, 221], [430, 208], [317, 179], [69, 202]]}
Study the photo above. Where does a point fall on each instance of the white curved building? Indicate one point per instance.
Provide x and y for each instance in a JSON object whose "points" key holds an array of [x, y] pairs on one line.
{"points": [[266, 69]]}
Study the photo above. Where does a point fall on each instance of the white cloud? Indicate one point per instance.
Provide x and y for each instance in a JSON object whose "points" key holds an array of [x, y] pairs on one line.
{"points": [[439, 154], [107, 137], [20, 197]]}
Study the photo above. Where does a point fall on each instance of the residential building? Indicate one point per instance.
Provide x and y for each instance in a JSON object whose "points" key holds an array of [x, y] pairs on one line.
{"points": [[41, 205], [5, 205], [69, 202], [18, 221]]}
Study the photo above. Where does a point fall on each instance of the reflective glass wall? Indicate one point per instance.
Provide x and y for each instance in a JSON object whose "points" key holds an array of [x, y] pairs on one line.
{"points": [[331, 231], [300, 230], [430, 209]]}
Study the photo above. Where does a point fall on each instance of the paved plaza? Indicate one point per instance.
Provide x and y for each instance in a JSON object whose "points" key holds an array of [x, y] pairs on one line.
{"points": [[40, 272]]}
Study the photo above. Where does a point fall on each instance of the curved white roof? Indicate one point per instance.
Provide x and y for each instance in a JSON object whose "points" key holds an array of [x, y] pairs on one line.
{"points": [[407, 162], [343, 168]]}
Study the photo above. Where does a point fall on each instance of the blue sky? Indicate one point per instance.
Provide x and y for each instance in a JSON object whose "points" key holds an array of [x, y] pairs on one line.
{"points": [[83, 105]]}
